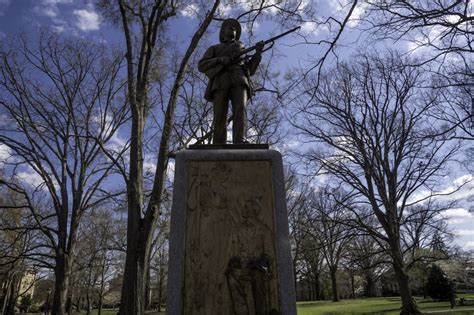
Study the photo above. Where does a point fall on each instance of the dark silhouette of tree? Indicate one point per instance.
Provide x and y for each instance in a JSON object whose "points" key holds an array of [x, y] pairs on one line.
{"points": [[373, 121], [442, 33], [62, 100], [445, 27], [142, 23], [438, 286]]}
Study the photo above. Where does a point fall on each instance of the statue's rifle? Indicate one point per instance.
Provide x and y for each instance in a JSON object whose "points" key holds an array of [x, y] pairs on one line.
{"points": [[214, 71], [268, 41]]}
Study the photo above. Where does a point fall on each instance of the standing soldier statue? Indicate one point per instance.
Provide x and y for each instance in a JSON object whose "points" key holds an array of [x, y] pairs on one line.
{"points": [[229, 79]]}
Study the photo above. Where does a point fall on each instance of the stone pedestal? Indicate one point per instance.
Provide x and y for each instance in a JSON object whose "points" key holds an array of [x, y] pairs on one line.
{"points": [[229, 245]]}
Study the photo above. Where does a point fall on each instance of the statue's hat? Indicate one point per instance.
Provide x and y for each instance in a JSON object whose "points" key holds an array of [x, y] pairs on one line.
{"points": [[232, 22]]}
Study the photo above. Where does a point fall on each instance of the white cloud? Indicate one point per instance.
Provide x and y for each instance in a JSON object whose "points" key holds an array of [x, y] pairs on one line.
{"points": [[469, 245], [50, 7], [116, 144], [456, 213], [32, 178], [460, 189], [170, 170], [309, 27], [191, 10], [464, 232], [87, 20], [49, 11], [149, 167], [339, 9], [5, 153], [57, 28], [313, 28], [357, 14]]}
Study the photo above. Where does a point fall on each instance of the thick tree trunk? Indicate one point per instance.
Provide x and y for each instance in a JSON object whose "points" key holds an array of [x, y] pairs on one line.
{"points": [[132, 299], [6, 293], [409, 306], [335, 293], [160, 293], [12, 294], [317, 288], [161, 279], [370, 290], [133, 288], [70, 299], [61, 284], [88, 304], [102, 285], [147, 288], [408, 303], [353, 294]]}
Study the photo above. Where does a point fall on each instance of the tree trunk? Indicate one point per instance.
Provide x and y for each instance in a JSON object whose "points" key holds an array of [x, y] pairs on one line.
{"points": [[147, 288], [369, 285], [335, 294], [12, 294], [409, 306], [88, 302], [133, 281], [353, 285], [136, 264], [133, 288], [161, 275], [70, 299], [102, 284], [310, 290], [61, 284], [317, 288], [6, 293]]}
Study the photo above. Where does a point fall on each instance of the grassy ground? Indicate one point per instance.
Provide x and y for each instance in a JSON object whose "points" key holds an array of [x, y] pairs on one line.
{"points": [[371, 306], [379, 306]]}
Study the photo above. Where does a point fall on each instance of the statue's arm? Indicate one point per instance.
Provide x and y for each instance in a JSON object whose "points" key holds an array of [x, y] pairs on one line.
{"points": [[209, 61], [253, 63]]}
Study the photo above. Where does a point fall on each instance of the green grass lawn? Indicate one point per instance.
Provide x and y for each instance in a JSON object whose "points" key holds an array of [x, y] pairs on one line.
{"points": [[379, 306], [371, 306]]}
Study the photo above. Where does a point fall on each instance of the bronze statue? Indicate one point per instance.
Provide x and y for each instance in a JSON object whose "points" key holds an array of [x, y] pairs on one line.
{"points": [[229, 80]]}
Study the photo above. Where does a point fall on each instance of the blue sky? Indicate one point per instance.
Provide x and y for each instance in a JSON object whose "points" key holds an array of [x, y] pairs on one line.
{"points": [[80, 18]]}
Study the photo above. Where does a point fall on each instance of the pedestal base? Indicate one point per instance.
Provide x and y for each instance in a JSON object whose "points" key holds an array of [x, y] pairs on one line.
{"points": [[229, 246]]}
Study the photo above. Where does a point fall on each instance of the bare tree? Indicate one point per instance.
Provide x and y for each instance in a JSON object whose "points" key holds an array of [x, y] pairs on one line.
{"points": [[15, 242], [312, 266], [61, 99], [371, 260], [328, 224], [456, 106], [148, 20], [373, 119], [443, 26], [443, 32]]}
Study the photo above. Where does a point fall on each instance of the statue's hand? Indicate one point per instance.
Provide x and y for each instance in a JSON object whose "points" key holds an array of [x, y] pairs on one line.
{"points": [[259, 47], [235, 58]]}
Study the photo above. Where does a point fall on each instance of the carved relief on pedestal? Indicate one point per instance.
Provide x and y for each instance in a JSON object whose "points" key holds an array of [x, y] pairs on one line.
{"points": [[230, 256]]}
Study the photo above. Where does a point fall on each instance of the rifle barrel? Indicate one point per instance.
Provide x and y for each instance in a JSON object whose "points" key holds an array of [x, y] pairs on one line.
{"points": [[243, 52]]}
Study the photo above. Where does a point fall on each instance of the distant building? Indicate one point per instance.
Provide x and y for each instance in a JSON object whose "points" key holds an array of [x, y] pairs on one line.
{"points": [[15, 283], [27, 284]]}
